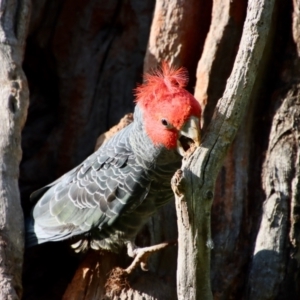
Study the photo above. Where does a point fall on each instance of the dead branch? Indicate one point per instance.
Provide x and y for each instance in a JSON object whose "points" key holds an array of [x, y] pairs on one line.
{"points": [[200, 170]]}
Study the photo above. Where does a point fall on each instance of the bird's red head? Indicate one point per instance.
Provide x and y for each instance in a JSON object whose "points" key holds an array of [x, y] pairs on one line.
{"points": [[166, 104]]}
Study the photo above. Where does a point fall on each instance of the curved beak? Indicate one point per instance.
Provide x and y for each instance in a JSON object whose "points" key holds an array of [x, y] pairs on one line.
{"points": [[189, 135]]}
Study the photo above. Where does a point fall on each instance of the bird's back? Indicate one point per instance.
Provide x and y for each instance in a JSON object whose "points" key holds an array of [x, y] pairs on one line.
{"points": [[104, 201]]}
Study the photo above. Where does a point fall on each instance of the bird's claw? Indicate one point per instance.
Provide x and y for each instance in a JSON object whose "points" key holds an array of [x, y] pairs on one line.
{"points": [[144, 265], [141, 255]]}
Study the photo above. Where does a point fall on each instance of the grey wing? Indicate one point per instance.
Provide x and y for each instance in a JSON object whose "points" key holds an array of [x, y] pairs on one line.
{"points": [[93, 195]]}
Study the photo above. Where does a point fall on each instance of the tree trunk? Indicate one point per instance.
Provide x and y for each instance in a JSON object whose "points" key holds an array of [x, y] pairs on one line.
{"points": [[14, 99], [177, 34], [201, 169], [274, 271], [223, 37]]}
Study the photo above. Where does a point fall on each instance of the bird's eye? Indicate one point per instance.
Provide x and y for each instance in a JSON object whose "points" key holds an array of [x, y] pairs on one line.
{"points": [[165, 122]]}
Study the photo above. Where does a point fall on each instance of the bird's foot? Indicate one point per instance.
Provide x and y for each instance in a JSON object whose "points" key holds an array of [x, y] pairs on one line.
{"points": [[141, 255], [118, 278]]}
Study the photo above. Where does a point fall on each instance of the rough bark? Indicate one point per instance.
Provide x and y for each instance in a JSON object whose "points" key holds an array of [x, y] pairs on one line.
{"points": [[274, 273], [200, 170], [178, 33], [223, 37], [281, 185], [91, 276], [14, 16]]}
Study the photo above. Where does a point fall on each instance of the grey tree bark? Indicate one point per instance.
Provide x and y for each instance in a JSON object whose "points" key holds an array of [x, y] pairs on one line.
{"points": [[281, 175], [276, 253], [14, 99], [195, 184]]}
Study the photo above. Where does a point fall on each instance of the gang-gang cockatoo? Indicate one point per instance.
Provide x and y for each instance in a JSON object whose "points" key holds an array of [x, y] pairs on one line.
{"points": [[105, 201]]}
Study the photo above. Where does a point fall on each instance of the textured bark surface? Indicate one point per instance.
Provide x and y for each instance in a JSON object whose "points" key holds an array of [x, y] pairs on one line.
{"points": [[280, 219], [201, 168], [178, 33], [223, 39], [274, 271], [91, 276], [14, 99]]}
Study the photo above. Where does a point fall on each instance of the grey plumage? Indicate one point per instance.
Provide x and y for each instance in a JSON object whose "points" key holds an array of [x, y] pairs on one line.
{"points": [[104, 202]]}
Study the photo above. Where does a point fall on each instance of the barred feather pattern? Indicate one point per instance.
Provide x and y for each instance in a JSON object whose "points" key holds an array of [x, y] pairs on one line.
{"points": [[104, 202]]}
